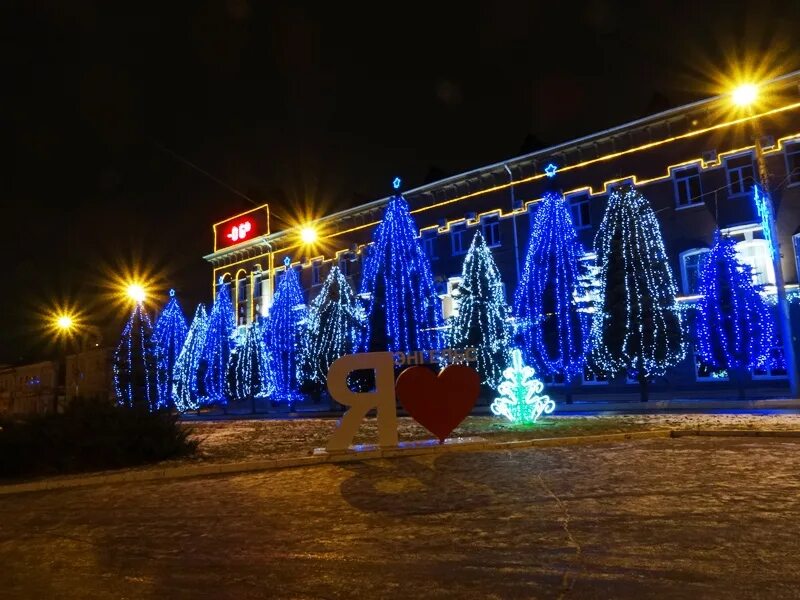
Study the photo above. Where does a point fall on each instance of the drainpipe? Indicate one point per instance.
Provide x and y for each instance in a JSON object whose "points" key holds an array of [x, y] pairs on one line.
{"points": [[514, 221]]}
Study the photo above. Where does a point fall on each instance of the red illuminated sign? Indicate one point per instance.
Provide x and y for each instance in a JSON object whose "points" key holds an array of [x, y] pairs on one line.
{"points": [[241, 228]]}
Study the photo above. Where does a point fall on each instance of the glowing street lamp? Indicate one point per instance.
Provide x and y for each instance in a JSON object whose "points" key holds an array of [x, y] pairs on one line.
{"points": [[64, 323], [745, 94], [135, 292], [308, 235]]}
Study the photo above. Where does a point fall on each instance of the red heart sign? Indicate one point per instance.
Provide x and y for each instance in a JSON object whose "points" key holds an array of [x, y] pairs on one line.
{"points": [[440, 403]]}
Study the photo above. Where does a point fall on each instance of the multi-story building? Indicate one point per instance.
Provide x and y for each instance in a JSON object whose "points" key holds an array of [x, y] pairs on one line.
{"points": [[696, 164], [29, 389]]}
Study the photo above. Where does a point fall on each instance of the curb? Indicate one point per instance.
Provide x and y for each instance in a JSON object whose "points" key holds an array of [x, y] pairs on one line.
{"points": [[372, 454]]}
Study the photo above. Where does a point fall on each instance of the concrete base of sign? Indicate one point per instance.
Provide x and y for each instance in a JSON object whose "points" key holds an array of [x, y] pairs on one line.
{"points": [[412, 447]]}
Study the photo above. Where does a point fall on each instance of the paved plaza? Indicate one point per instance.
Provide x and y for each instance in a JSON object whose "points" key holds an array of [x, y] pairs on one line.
{"points": [[665, 518]]}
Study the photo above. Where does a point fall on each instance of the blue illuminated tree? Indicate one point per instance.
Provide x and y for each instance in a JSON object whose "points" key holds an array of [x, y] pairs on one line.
{"points": [[249, 376], [217, 348], [734, 325], [638, 327], [554, 327], [284, 329], [185, 391], [169, 335], [482, 319], [134, 362], [336, 322], [403, 312]]}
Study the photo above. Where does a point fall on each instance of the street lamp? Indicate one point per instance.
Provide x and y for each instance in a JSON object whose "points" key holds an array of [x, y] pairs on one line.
{"points": [[745, 96], [136, 292], [308, 235]]}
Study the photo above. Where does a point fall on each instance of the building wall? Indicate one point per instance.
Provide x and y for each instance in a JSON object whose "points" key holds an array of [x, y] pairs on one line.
{"points": [[89, 375], [28, 389], [654, 158]]}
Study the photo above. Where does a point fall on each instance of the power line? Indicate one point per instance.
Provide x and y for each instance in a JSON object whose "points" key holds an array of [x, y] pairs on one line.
{"points": [[189, 163]]}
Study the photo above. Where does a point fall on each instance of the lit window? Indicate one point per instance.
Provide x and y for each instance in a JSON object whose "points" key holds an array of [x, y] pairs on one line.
{"points": [[705, 372], [490, 228], [580, 211], [793, 162], [316, 272], [459, 239], [691, 263], [592, 377], [796, 244], [741, 174], [776, 364], [755, 254], [451, 299], [688, 190]]}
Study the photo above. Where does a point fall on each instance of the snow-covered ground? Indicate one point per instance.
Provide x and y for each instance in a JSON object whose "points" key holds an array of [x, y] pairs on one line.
{"points": [[228, 441]]}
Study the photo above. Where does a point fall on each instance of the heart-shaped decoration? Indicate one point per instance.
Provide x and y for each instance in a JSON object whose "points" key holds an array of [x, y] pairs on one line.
{"points": [[439, 403]]}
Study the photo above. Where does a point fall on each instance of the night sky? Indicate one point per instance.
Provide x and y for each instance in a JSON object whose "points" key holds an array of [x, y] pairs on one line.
{"points": [[310, 107]]}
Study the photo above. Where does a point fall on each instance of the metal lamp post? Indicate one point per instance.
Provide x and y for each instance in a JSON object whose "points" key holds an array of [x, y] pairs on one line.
{"points": [[745, 96]]}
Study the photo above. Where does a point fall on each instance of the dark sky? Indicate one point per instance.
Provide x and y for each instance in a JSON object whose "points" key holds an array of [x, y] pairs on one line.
{"points": [[307, 106]]}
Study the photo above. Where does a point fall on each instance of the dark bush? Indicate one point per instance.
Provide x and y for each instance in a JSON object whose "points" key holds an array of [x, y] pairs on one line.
{"points": [[90, 435]]}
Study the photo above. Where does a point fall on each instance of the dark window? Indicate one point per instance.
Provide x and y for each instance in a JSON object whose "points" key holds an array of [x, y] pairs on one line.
{"points": [[429, 245], [688, 190], [741, 174], [316, 273], [580, 211], [458, 236], [793, 162], [490, 227]]}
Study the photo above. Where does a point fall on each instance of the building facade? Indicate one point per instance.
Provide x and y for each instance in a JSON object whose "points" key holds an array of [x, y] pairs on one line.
{"points": [[696, 165], [29, 389]]}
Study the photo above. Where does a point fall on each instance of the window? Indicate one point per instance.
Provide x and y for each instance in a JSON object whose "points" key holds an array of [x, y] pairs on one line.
{"points": [[241, 287], [579, 210], [592, 377], [796, 244], [793, 162], [755, 253], [458, 236], [429, 245], [776, 364], [688, 191], [705, 372], [741, 175], [316, 272], [345, 265], [691, 263], [450, 299], [490, 228]]}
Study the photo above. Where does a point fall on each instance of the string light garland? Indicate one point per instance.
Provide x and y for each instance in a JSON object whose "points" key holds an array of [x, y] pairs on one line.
{"points": [[482, 319], [638, 326], [521, 399], [217, 348], [284, 329], [404, 312], [249, 376], [169, 335], [185, 392], [336, 322], [554, 326], [134, 362], [734, 323]]}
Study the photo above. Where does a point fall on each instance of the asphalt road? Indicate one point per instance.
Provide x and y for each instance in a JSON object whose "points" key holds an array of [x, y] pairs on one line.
{"points": [[668, 518]]}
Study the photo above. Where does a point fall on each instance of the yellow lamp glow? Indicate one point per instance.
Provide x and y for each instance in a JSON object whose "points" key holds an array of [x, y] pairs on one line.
{"points": [[745, 94], [136, 292], [308, 235], [64, 322]]}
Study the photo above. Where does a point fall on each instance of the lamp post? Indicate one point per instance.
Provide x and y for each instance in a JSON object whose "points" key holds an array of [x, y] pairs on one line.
{"points": [[744, 96]]}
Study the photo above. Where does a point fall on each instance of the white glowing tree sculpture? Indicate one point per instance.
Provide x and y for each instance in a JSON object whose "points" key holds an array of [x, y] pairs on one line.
{"points": [[521, 399]]}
